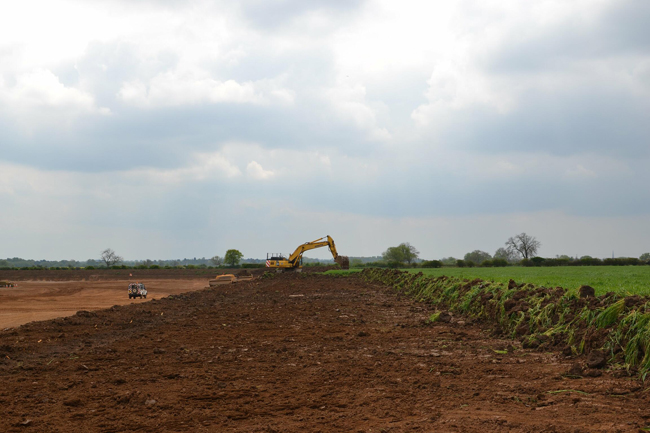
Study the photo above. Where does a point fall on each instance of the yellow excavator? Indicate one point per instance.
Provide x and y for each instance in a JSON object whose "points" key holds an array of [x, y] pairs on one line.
{"points": [[294, 262]]}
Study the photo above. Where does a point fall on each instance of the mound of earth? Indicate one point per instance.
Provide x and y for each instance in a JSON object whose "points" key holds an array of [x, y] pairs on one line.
{"points": [[294, 353]]}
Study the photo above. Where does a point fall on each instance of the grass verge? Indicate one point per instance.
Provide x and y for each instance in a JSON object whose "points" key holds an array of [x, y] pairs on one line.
{"points": [[626, 280]]}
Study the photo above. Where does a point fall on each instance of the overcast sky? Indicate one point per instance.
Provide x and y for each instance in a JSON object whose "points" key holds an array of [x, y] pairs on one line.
{"points": [[171, 129]]}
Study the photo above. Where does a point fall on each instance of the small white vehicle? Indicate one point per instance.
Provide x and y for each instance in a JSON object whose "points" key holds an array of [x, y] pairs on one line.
{"points": [[137, 290]]}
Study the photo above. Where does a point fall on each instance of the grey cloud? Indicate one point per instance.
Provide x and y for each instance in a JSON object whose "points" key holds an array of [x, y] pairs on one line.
{"points": [[625, 27], [583, 89], [166, 138], [608, 121], [421, 194], [619, 30]]}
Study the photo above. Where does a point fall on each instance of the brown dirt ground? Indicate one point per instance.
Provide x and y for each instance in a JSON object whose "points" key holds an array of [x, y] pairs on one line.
{"points": [[294, 353]]}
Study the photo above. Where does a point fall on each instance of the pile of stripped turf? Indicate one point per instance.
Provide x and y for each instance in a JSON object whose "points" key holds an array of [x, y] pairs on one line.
{"points": [[541, 317]]}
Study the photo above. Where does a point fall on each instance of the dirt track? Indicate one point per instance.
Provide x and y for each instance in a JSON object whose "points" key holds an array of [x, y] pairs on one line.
{"points": [[294, 353]]}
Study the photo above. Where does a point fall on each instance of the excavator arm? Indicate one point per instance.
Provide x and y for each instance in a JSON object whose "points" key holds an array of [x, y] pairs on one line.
{"points": [[318, 243]]}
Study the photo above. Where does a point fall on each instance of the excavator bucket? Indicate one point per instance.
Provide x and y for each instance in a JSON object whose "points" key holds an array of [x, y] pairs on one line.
{"points": [[344, 261]]}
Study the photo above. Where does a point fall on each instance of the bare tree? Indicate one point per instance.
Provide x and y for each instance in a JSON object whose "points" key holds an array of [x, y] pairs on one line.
{"points": [[216, 260], [110, 257], [524, 245]]}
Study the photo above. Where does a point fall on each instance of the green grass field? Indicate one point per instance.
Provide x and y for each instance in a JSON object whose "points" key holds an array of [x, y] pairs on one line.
{"points": [[620, 279]]}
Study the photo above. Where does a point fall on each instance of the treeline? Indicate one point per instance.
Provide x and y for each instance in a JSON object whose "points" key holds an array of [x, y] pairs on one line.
{"points": [[355, 262], [585, 261], [91, 267], [498, 263], [394, 264], [186, 263], [17, 263]]}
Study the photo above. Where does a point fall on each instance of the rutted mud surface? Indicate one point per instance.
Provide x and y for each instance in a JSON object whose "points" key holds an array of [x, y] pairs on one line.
{"points": [[294, 353]]}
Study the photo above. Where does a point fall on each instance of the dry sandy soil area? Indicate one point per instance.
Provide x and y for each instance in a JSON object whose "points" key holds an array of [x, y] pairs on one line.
{"points": [[294, 353], [41, 300]]}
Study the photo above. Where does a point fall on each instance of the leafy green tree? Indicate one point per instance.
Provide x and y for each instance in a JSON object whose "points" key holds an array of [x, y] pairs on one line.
{"points": [[508, 256], [393, 254], [232, 257], [404, 252], [645, 257], [477, 256]]}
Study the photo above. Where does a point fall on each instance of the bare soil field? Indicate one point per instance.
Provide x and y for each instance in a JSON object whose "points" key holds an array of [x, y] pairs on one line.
{"points": [[41, 300], [294, 353]]}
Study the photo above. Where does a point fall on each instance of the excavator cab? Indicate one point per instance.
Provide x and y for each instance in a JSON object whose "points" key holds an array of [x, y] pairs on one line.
{"points": [[277, 260]]}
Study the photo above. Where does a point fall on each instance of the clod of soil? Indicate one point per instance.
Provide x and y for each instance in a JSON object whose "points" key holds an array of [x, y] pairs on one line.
{"points": [[596, 359], [84, 313], [634, 301], [522, 329], [74, 402], [575, 370], [509, 305], [587, 292]]}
